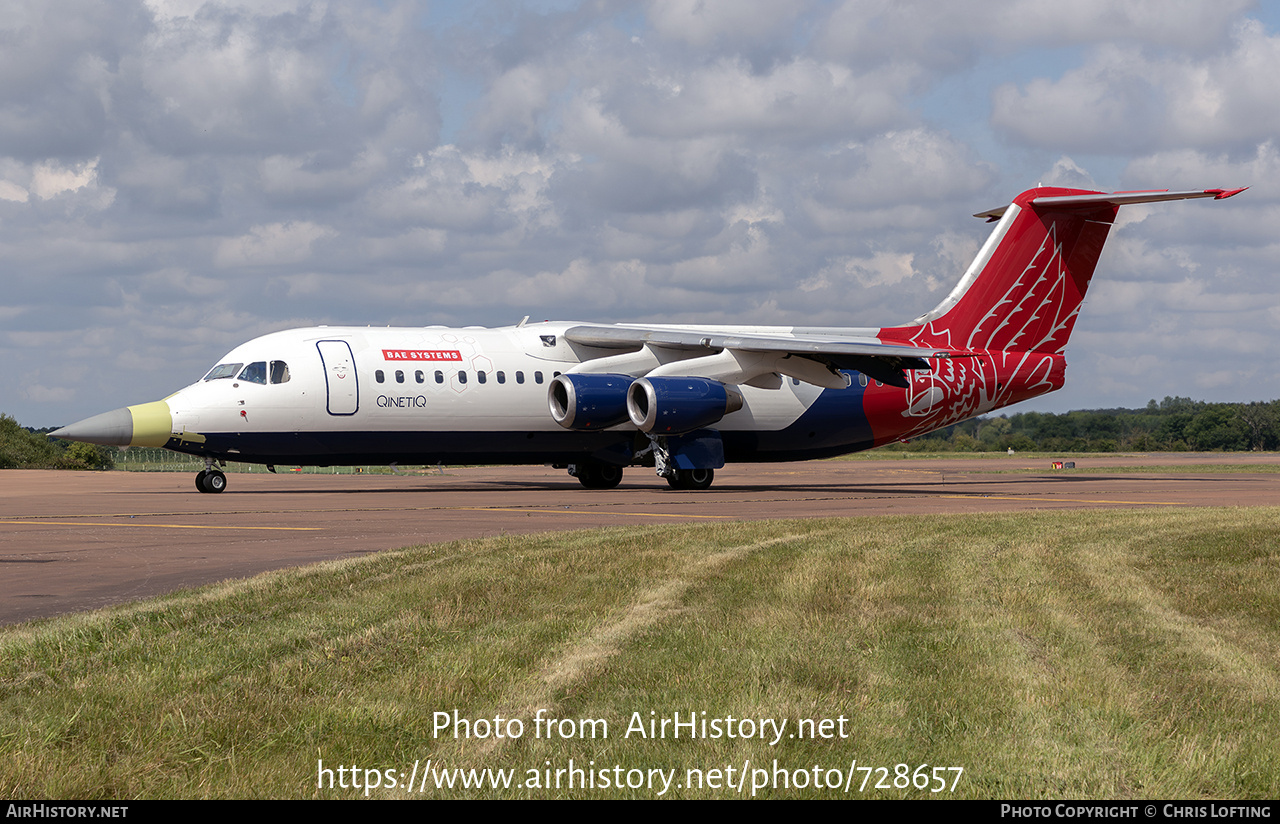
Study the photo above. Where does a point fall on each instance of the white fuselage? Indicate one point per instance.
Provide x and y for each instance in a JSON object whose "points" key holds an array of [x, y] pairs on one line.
{"points": [[449, 382]]}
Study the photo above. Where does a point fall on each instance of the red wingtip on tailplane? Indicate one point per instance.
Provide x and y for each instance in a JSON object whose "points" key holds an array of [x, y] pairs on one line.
{"points": [[1025, 288]]}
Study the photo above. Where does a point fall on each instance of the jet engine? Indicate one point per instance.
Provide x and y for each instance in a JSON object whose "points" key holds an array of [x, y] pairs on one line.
{"points": [[589, 401], [673, 406]]}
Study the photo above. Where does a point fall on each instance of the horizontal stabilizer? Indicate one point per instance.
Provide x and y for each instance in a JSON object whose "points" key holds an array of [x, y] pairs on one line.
{"points": [[1116, 199]]}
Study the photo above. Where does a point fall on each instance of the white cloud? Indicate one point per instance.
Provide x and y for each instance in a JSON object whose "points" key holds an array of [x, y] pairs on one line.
{"points": [[1125, 99], [453, 189], [703, 22], [307, 176], [1067, 174], [12, 191], [956, 252], [207, 171], [272, 244], [1258, 168], [48, 394], [880, 269], [234, 86], [907, 166], [51, 178], [955, 34], [802, 99], [169, 10]]}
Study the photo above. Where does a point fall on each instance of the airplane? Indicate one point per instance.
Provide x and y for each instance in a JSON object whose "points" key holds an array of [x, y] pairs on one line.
{"points": [[684, 399]]}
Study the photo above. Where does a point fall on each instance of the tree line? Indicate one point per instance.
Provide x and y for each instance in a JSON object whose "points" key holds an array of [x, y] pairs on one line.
{"points": [[25, 448], [1170, 425]]}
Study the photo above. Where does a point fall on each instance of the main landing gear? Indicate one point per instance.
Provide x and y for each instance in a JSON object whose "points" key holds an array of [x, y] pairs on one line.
{"points": [[593, 473], [596, 474], [209, 479], [691, 479]]}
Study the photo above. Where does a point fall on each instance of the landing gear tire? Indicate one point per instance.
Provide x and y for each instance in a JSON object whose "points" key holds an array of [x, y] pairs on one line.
{"points": [[599, 475], [211, 481], [692, 479]]}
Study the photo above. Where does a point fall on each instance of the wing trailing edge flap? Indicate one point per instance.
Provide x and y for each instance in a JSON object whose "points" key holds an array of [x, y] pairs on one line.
{"points": [[753, 359]]}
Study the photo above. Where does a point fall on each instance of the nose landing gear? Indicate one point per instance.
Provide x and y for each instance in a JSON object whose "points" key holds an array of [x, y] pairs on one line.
{"points": [[210, 480]]}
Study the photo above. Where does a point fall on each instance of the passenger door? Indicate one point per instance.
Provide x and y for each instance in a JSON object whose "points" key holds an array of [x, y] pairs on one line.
{"points": [[339, 376]]}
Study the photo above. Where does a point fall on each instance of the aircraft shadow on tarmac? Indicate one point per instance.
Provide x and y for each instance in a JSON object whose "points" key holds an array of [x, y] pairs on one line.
{"points": [[916, 486]]}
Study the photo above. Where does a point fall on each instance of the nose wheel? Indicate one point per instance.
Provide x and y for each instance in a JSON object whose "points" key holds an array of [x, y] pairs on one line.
{"points": [[211, 481]]}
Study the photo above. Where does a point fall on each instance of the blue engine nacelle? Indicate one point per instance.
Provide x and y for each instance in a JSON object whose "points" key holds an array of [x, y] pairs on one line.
{"points": [[589, 401], [673, 406]]}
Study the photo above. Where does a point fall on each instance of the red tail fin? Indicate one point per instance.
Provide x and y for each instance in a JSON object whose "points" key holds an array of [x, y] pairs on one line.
{"points": [[1024, 290]]}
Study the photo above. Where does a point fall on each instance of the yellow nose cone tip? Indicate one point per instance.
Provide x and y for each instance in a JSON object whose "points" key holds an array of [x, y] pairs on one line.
{"points": [[152, 424]]}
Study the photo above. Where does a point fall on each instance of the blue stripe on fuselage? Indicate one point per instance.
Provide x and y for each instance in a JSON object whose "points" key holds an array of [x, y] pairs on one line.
{"points": [[834, 424]]}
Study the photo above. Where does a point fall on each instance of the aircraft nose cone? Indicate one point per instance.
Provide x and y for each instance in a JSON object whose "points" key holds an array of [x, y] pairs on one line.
{"points": [[147, 424], [114, 428]]}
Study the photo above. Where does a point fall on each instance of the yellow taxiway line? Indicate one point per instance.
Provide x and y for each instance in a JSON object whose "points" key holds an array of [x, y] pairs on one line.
{"points": [[26, 522]]}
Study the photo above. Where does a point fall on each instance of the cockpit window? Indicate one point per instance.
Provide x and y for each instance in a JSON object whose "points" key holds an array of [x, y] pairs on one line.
{"points": [[279, 371], [255, 372], [223, 370]]}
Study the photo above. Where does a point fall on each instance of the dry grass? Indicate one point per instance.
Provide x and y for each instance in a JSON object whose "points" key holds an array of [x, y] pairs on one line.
{"points": [[1090, 655]]}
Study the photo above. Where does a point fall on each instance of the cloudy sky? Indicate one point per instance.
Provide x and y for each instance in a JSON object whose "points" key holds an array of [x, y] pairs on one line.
{"points": [[179, 176]]}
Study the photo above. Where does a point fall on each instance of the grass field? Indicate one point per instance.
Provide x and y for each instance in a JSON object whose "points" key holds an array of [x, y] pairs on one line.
{"points": [[1160, 469], [1105, 654], [887, 454]]}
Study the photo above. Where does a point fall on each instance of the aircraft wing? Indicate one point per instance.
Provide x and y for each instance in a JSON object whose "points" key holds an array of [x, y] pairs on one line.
{"points": [[882, 361]]}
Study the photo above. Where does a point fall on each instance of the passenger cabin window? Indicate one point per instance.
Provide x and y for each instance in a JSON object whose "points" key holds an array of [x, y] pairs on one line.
{"points": [[255, 372], [519, 377], [480, 376], [462, 377], [502, 378], [399, 376], [223, 370], [279, 371], [537, 377], [418, 376], [378, 376], [439, 376]]}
